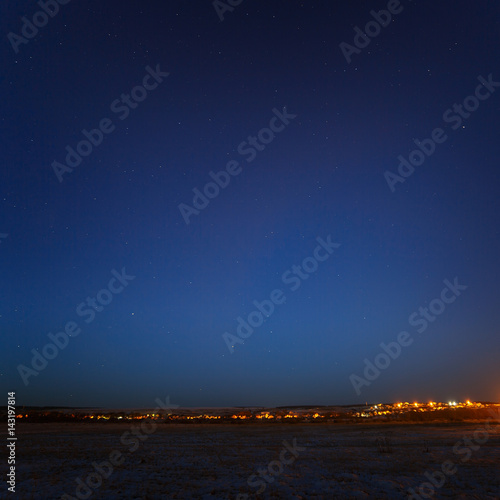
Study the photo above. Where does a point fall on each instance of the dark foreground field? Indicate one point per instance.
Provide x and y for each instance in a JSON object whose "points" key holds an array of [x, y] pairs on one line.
{"points": [[223, 461]]}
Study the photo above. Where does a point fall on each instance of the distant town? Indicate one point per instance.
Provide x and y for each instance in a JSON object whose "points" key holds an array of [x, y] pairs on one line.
{"points": [[383, 412]]}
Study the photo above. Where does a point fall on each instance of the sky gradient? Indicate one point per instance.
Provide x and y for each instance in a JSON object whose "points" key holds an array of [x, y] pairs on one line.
{"points": [[317, 171]]}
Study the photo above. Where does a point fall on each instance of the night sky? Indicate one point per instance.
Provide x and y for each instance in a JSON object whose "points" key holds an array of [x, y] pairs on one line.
{"points": [[310, 128]]}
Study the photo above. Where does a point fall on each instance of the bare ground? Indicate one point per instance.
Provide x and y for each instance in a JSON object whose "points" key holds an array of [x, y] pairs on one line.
{"points": [[216, 461]]}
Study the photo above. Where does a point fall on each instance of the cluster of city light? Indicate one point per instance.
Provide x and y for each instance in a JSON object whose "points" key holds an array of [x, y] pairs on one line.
{"points": [[387, 409], [274, 415]]}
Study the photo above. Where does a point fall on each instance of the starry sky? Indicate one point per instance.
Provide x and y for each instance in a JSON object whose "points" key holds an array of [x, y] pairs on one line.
{"points": [[121, 245]]}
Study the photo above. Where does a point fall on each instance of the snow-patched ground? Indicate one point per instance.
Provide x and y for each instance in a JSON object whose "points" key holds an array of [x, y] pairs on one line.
{"points": [[215, 461]]}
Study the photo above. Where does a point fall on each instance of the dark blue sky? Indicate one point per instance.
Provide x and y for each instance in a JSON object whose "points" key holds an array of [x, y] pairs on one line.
{"points": [[320, 176]]}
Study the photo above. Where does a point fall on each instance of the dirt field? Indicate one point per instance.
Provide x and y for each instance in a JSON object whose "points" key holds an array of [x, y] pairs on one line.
{"points": [[308, 461]]}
